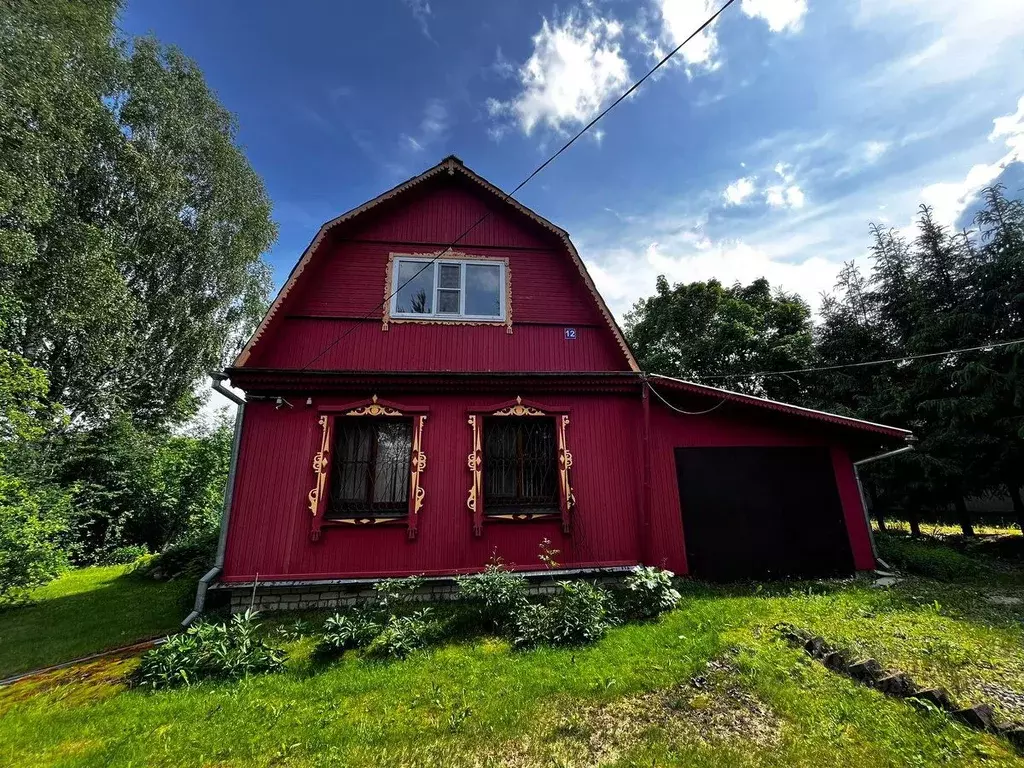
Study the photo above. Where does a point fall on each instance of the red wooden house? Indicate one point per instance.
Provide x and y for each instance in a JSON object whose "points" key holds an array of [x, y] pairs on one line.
{"points": [[408, 414]]}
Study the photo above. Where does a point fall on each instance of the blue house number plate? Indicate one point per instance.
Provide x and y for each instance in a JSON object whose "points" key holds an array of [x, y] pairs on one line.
{"points": [[570, 333]]}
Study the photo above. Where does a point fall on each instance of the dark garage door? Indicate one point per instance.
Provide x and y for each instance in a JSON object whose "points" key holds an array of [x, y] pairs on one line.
{"points": [[761, 513]]}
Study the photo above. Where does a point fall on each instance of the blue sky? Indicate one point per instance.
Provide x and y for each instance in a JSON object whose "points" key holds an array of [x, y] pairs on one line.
{"points": [[764, 149]]}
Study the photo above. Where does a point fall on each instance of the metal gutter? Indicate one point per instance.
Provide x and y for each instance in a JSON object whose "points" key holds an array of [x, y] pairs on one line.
{"points": [[229, 491], [863, 498]]}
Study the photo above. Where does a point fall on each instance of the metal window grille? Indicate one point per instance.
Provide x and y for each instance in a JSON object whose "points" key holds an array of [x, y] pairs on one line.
{"points": [[371, 467], [520, 465]]}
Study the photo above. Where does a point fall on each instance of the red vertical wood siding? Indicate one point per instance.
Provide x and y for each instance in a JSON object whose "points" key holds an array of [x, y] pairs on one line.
{"points": [[345, 283], [270, 519], [722, 428]]}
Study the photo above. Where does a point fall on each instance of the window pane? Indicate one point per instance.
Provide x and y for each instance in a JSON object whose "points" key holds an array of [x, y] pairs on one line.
{"points": [[450, 277], [415, 291], [483, 290], [371, 468], [448, 302], [520, 464]]}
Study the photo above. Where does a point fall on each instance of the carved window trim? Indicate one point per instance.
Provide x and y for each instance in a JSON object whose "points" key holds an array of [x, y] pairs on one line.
{"points": [[389, 289], [317, 498], [475, 461]]}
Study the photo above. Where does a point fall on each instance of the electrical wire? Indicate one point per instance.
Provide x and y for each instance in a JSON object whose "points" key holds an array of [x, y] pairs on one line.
{"points": [[680, 410], [710, 20], [979, 348]]}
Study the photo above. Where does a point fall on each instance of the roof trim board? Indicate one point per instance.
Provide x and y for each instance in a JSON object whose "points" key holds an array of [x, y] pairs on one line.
{"points": [[451, 164]]}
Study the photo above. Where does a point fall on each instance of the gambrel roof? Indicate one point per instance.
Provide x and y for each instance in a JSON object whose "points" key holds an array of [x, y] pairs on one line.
{"points": [[450, 165]]}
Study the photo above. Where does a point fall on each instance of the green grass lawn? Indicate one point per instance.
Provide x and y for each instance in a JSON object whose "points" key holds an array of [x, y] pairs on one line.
{"points": [[86, 611], [709, 684]]}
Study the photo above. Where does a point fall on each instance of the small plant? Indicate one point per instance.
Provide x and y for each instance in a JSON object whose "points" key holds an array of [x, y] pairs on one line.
{"points": [[209, 651], [648, 592], [493, 595], [577, 615], [295, 630], [395, 592], [548, 554], [344, 631], [400, 636]]}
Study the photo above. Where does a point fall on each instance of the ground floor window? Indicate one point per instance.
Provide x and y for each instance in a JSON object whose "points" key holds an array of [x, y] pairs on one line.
{"points": [[370, 475], [520, 465]]}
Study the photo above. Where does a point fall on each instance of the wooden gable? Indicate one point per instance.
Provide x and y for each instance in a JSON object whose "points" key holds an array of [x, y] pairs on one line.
{"points": [[558, 320]]}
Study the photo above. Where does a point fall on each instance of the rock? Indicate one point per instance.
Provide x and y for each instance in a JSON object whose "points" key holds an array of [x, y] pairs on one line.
{"points": [[1003, 600], [816, 647], [896, 684], [937, 697], [866, 671], [979, 716], [884, 583], [699, 682], [835, 661], [1014, 733]]}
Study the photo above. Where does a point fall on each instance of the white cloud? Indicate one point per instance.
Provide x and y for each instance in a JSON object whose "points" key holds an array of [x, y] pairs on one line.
{"points": [[780, 15], [432, 128], [873, 150], [575, 68], [781, 196], [679, 20], [741, 189], [949, 199], [421, 12]]}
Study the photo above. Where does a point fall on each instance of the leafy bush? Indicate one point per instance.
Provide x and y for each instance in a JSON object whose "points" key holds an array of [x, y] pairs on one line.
{"points": [[189, 558], [648, 592], [209, 651], [400, 636], [125, 555], [30, 522], [344, 631], [392, 593], [494, 595], [577, 615], [935, 560]]}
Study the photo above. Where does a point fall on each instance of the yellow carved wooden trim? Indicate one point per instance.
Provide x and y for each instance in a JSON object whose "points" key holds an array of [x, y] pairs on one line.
{"points": [[564, 463], [519, 410], [320, 461], [419, 464], [474, 461], [373, 409]]}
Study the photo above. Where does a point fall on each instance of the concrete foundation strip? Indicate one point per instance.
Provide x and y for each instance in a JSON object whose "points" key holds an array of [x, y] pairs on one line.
{"points": [[897, 684]]}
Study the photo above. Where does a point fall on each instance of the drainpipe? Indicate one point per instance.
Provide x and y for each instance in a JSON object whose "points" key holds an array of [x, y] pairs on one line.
{"points": [[645, 524], [863, 498], [225, 515]]}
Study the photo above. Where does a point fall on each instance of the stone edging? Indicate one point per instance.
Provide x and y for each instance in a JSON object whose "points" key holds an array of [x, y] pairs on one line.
{"points": [[898, 684]]}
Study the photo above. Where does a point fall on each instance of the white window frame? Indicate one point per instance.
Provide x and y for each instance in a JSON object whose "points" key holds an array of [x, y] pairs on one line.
{"points": [[461, 315]]}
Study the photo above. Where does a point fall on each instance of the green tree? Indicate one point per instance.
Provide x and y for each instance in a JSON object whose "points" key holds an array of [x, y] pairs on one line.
{"points": [[705, 331], [131, 224]]}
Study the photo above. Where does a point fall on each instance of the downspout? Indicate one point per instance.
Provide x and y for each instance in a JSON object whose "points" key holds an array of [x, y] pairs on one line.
{"points": [[863, 498], [645, 523], [225, 515]]}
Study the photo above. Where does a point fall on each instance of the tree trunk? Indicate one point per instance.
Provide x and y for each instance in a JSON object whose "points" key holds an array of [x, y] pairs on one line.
{"points": [[880, 519], [914, 520], [963, 515], [1018, 504]]}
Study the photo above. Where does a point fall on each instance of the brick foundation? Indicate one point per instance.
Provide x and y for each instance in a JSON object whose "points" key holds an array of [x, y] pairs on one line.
{"points": [[346, 593]]}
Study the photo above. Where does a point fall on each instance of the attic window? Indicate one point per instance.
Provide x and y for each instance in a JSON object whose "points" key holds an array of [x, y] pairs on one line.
{"points": [[449, 289]]}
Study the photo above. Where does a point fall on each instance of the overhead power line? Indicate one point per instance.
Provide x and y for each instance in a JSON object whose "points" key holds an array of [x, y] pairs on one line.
{"points": [[710, 20], [979, 348], [680, 410]]}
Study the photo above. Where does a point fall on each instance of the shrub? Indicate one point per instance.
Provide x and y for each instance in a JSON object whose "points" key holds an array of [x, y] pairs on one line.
{"points": [[209, 651], [494, 595], [648, 592], [935, 560], [344, 631], [392, 593], [577, 615], [400, 636], [125, 555], [190, 558], [30, 522]]}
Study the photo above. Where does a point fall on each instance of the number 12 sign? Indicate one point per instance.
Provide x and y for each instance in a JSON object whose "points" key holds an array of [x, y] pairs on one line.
{"points": [[570, 333]]}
